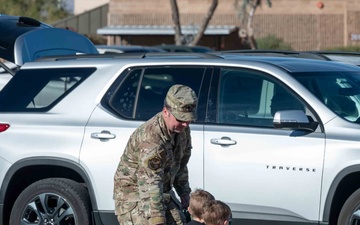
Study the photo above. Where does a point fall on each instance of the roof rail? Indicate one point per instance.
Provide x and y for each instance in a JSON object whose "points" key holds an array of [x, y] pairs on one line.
{"points": [[263, 52], [137, 55], [90, 56], [313, 55], [202, 55], [282, 53], [7, 69]]}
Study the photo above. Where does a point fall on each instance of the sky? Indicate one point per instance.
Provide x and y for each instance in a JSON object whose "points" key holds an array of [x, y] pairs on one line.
{"points": [[69, 4]]}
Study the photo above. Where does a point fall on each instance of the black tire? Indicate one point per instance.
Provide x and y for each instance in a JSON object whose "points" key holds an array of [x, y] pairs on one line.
{"points": [[54, 201], [350, 212]]}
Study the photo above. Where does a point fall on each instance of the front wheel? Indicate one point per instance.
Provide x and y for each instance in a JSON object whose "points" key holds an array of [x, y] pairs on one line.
{"points": [[350, 212], [54, 201]]}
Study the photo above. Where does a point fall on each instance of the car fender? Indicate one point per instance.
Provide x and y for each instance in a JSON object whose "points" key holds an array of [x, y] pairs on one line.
{"points": [[46, 161]]}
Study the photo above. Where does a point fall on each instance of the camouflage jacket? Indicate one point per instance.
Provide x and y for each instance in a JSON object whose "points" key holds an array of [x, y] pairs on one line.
{"points": [[153, 162]]}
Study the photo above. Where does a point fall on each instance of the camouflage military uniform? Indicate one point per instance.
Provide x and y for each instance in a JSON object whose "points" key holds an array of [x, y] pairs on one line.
{"points": [[153, 162]]}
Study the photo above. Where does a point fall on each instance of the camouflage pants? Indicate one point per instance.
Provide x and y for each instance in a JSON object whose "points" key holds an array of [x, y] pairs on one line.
{"points": [[133, 214]]}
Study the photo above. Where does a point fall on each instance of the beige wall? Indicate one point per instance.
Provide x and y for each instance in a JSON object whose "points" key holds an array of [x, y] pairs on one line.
{"points": [[300, 23], [81, 6], [227, 6]]}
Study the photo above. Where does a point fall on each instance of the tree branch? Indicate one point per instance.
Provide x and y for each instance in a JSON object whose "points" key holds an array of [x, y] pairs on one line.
{"points": [[176, 20], [205, 23]]}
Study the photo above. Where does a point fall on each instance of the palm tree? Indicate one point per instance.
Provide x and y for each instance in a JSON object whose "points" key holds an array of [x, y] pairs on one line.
{"points": [[246, 11]]}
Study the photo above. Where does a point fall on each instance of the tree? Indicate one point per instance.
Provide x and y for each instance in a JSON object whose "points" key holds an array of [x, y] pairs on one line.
{"points": [[176, 20], [246, 11], [47, 11], [179, 37]]}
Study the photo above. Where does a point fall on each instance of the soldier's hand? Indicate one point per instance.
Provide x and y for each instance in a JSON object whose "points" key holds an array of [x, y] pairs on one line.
{"points": [[187, 215], [185, 198]]}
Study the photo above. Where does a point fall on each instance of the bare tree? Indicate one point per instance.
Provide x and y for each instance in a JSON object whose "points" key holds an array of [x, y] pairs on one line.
{"points": [[176, 20], [179, 37], [246, 11]]}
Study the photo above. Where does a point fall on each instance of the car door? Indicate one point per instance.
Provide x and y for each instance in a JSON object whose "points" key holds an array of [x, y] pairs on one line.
{"points": [[265, 174], [136, 96]]}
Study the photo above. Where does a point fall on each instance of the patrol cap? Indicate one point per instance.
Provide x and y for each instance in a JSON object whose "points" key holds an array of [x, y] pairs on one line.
{"points": [[182, 101]]}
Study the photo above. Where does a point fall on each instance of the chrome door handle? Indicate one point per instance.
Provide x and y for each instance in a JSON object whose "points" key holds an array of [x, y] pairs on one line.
{"points": [[224, 141], [103, 135]]}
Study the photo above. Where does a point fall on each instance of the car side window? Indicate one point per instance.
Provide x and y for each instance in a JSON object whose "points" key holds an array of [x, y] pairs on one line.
{"points": [[141, 94], [123, 101], [250, 98]]}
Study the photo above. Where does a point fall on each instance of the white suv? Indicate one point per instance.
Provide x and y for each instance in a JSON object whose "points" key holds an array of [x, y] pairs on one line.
{"points": [[276, 138]]}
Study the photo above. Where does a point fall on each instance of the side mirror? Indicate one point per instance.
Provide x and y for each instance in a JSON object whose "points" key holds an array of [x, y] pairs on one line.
{"points": [[293, 120]]}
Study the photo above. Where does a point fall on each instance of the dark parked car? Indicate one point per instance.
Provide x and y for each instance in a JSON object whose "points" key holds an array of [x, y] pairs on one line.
{"points": [[350, 57], [347, 57], [182, 48], [25, 39]]}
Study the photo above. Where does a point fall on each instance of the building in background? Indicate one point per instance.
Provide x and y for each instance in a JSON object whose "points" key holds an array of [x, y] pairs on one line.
{"points": [[149, 22], [304, 24], [81, 6], [87, 22]]}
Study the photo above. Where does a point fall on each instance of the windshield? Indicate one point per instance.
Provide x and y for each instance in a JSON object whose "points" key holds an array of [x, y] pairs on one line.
{"points": [[339, 91]]}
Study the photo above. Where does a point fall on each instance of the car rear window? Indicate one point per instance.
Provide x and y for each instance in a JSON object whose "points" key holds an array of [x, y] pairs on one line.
{"points": [[40, 90]]}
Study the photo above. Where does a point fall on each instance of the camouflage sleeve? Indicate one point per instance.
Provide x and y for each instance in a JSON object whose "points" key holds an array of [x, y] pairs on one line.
{"points": [[150, 181], [181, 182]]}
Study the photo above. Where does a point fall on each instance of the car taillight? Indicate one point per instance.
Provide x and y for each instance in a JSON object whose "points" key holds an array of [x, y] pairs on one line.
{"points": [[4, 126]]}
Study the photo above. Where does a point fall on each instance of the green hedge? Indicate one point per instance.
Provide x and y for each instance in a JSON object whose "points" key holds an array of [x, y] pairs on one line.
{"points": [[354, 48], [270, 42]]}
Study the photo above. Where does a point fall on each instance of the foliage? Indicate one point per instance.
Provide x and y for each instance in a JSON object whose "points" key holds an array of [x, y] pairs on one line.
{"points": [[47, 11], [354, 48], [270, 42]]}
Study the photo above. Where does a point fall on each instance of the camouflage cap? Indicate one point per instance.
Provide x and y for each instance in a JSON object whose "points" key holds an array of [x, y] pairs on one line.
{"points": [[182, 101]]}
